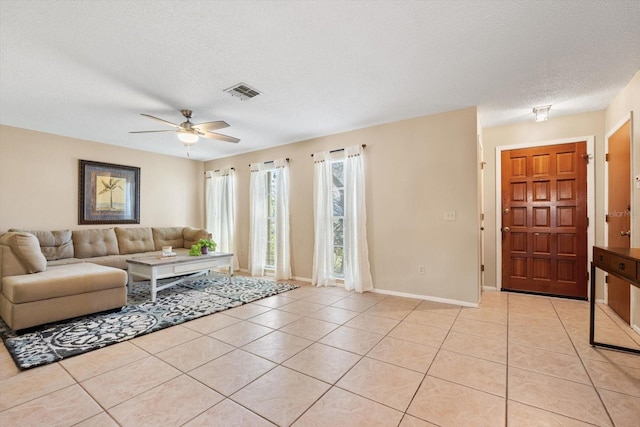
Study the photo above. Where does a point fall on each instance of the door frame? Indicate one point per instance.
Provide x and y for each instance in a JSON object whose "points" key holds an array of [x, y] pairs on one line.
{"points": [[481, 240], [591, 210], [626, 118]]}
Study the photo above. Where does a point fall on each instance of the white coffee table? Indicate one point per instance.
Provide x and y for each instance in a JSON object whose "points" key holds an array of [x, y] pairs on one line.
{"points": [[156, 267]]}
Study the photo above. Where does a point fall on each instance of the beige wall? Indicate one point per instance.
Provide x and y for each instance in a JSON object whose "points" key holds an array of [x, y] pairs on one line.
{"points": [[564, 127], [629, 100], [39, 182], [415, 171]]}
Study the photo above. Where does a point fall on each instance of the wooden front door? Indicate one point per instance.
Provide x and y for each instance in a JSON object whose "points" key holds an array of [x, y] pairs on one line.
{"points": [[544, 220], [619, 213]]}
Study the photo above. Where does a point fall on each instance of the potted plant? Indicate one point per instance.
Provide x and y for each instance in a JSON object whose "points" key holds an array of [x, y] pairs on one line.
{"points": [[202, 247]]}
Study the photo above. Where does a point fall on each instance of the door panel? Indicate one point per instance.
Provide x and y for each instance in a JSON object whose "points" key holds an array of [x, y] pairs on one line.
{"points": [[544, 220], [619, 213]]}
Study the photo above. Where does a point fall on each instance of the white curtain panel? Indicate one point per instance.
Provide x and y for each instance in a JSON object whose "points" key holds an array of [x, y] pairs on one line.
{"points": [[357, 272], [221, 210], [322, 274], [257, 220], [283, 246]]}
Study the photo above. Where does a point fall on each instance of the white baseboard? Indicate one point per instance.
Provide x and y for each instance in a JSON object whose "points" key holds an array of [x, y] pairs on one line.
{"points": [[398, 294], [636, 328], [600, 301], [426, 298], [490, 288]]}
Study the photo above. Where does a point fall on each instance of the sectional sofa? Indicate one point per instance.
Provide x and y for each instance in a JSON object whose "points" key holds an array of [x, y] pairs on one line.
{"points": [[46, 276]]}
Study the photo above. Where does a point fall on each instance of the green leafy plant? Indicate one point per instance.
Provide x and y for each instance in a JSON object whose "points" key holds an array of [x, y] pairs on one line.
{"points": [[208, 243], [196, 250]]}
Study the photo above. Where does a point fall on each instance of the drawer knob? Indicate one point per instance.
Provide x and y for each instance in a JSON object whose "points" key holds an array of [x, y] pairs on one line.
{"points": [[621, 266], [600, 258]]}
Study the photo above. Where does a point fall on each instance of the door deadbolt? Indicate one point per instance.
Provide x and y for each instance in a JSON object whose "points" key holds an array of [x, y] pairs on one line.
{"points": [[506, 211]]}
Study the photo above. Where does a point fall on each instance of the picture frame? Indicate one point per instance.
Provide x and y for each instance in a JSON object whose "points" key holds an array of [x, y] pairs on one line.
{"points": [[108, 193]]}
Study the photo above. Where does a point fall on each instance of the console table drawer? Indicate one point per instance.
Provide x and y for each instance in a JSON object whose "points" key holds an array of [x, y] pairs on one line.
{"points": [[601, 258], [624, 267]]}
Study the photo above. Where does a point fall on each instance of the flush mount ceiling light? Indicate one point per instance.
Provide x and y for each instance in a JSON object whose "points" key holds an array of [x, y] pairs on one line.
{"points": [[542, 113]]}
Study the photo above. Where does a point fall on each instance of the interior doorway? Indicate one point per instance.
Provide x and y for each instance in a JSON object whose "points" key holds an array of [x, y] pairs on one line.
{"points": [[544, 220], [618, 217]]}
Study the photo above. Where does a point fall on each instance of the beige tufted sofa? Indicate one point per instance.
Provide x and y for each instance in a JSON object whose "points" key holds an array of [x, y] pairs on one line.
{"points": [[46, 276]]}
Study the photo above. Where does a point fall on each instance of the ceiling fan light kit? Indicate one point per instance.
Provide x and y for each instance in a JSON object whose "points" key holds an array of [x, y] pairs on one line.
{"points": [[189, 133], [187, 138]]}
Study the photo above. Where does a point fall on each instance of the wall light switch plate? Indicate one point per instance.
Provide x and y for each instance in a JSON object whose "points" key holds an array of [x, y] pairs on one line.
{"points": [[450, 216]]}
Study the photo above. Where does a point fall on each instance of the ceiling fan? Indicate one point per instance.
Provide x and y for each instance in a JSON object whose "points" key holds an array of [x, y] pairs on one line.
{"points": [[189, 133]]}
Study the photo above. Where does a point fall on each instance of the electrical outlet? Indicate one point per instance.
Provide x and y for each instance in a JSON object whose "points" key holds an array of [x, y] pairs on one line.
{"points": [[421, 269], [450, 215]]}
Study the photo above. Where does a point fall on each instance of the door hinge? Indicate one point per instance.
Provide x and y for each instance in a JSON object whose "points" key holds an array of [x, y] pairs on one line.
{"points": [[482, 267], [606, 218], [482, 165], [606, 157], [606, 279], [482, 216], [587, 221], [587, 275], [586, 157]]}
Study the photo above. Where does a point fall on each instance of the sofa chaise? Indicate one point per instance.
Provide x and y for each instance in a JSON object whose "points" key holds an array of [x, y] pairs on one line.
{"points": [[47, 276]]}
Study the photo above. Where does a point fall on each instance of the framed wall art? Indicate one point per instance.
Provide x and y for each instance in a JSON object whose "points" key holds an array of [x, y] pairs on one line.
{"points": [[108, 193]]}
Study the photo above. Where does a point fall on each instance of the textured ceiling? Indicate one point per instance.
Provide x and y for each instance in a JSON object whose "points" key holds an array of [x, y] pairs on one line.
{"points": [[86, 69]]}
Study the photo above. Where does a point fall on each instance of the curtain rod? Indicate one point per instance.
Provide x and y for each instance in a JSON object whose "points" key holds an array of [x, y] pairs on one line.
{"points": [[340, 149], [218, 170], [271, 161]]}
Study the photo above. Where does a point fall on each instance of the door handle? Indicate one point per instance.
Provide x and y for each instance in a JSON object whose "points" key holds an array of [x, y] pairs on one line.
{"points": [[625, 233], [506, 229]]}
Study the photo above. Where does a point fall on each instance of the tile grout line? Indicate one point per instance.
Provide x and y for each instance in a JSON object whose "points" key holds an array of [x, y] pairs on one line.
{"points": [[583, 365], [317, 341], [426, 372], [506, 361]]}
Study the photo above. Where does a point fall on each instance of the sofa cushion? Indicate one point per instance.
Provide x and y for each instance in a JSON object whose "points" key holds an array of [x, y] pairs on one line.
{"points": [[134, 240], [115, 261], [192, 235], [167, 236], [62, 281], [53, 244], [26, 248], [94, 242]]}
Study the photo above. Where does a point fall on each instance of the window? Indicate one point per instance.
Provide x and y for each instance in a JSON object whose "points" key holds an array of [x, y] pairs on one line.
{"points": [[337, 169], [270, 189]]}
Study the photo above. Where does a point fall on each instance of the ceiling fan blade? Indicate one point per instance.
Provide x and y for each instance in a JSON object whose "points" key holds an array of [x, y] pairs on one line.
{"points": [[207, 126], [220, 137], [161, 120], [148, 131]]}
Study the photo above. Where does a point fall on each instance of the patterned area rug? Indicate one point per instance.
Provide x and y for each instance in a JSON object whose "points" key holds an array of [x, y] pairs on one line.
{"points": [[174, 305]]}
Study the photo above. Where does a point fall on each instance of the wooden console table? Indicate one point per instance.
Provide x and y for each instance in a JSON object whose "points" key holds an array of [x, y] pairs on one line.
{"points": [[622, 263]]}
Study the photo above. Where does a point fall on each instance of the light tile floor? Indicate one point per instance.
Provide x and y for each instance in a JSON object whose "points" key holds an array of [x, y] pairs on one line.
{"points": [[327, 357]]}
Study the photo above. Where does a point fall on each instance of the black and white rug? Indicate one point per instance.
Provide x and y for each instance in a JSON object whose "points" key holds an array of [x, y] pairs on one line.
{"points": [[174, 305]]}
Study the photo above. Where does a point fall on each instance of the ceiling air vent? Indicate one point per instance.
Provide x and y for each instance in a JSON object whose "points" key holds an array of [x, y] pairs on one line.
{"points": [[243, 91]]}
